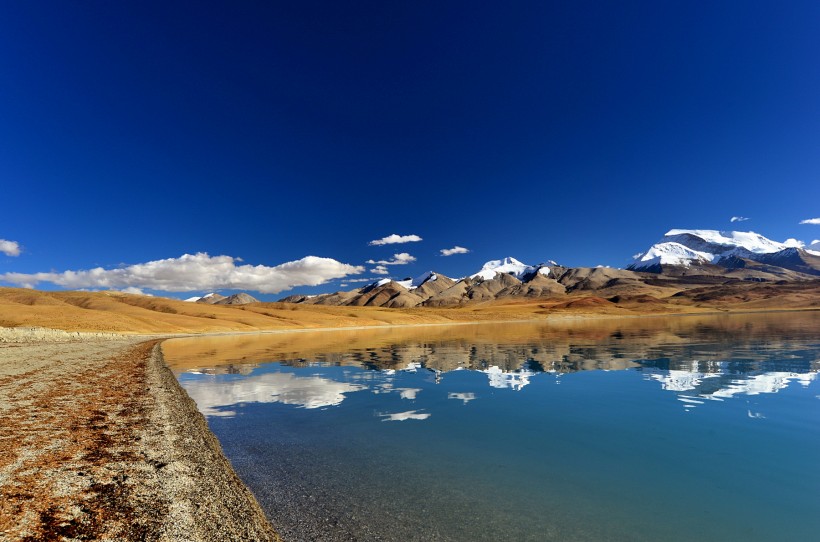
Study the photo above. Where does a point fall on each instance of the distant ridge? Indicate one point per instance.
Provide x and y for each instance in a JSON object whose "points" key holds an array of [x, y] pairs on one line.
{"points": [[210, 298], [237, 299], [685, 248], [215, 299], [681, 261]]}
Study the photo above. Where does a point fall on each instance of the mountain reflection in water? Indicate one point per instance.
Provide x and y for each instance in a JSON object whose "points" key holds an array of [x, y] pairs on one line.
{"points": [[700, 358], [674, 429]]}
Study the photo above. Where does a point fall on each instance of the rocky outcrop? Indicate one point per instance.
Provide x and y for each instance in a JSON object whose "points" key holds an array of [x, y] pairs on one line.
{"points": [[429, 288], [486, 290], [537, 286], [390, 294], [454, 295]]}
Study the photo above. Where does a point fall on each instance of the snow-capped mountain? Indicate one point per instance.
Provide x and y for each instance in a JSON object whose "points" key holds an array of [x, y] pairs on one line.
{"points": [[509, 266], [409, 284], [687, 247], [682, 262]]}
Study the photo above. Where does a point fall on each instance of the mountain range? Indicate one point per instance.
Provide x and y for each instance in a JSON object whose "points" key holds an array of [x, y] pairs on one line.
{"points": [[683, 262], [216, 299]]}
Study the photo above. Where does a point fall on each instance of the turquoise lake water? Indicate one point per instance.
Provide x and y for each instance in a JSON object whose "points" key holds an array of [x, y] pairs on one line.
{"points": [[708, 431]]}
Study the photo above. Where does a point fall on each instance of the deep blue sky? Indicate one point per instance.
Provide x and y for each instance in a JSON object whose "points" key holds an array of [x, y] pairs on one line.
{"points": [[573, 131]]}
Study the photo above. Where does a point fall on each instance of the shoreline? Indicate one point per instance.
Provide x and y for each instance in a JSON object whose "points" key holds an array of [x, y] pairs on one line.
{"points": [[99, 441], [36, 334], [554, 319], [225, 509]]}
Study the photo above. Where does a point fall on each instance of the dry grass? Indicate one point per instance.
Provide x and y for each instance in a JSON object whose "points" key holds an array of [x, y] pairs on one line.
{"points": [[126, 313], [98, 442]]}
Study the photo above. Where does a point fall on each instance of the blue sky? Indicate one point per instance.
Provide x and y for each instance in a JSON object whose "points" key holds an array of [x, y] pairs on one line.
{"points": [[133, 132]]}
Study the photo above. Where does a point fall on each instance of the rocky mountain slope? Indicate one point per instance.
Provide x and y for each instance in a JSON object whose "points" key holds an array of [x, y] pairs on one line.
{"points": [[215, 299], [237, 299]]}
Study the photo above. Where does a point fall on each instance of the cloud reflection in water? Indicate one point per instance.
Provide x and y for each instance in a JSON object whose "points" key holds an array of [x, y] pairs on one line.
{"points": [[212, 395]]}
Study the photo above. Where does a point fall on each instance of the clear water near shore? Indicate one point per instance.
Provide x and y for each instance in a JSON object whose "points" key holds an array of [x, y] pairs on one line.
{"points": [[709, 431]]}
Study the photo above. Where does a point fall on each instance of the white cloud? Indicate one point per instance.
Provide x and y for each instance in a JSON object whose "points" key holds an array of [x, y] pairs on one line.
{"points": [[398, 259], [738, 219], [135, 290], [455, 250], [354, 281], [811, 221], [9, 248], [796, 243], [199, 271], [394, 239], [380, 270]]}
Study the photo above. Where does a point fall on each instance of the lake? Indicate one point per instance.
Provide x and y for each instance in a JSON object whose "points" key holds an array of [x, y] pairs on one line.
{"points": [[668, 428]]}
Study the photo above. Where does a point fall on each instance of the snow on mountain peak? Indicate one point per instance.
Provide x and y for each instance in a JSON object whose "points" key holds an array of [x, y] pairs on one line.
{"points": [[410, 284], [670, 254], [424, 277], [749, 240], [683, 247], [507, 265], [511, 266]]}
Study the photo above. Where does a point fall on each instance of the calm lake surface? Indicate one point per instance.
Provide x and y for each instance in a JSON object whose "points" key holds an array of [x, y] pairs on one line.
{"points": [[682, 428]]}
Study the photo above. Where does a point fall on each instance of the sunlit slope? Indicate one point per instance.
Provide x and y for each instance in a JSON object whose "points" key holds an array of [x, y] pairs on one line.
{"points": [[127, 313], [116, 312]]}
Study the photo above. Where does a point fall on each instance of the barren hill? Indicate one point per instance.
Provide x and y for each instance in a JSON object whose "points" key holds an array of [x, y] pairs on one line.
{"points": [[128, 313]]}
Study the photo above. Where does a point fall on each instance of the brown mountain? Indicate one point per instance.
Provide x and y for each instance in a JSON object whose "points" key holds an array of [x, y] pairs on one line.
{"points": [[575, 288], [237, 299], [210, 299]]}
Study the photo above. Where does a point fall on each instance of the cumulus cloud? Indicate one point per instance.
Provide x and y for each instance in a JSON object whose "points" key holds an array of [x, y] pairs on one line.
{"points": [[395, 239], [738, 219], [192, 272], [135, 290], [811, 221], [9, 248], [380, 270], [455, 250], [398, 259]]}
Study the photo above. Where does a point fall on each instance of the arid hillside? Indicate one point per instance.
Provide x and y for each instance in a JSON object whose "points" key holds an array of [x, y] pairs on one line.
{"points": [[128, 313]]}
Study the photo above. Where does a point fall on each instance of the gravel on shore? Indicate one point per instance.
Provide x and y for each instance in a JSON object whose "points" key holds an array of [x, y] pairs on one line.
{"points": [[99, 442]]}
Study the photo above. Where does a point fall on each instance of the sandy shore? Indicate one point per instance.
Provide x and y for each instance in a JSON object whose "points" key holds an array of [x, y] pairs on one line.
{"points": [[99, 441]]}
